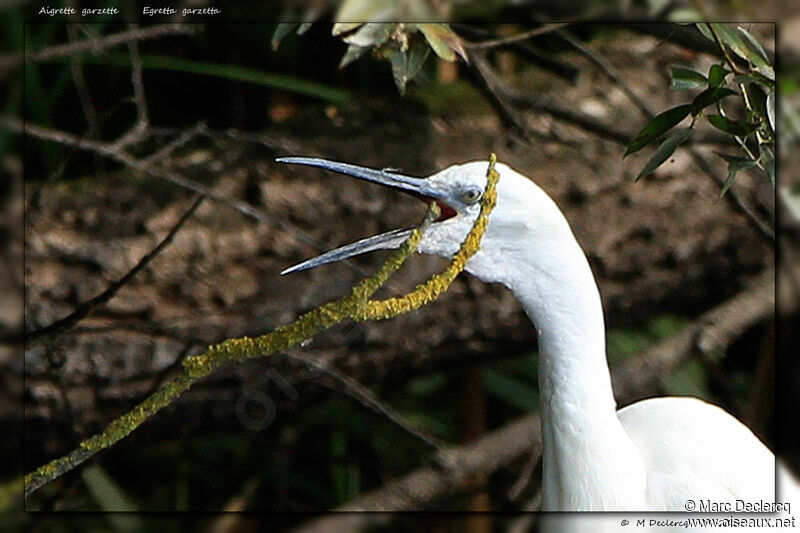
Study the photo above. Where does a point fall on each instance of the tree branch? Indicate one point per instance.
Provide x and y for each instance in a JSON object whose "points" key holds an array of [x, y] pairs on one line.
{"points": [[87, 307], [713, 331], [524, 36]]}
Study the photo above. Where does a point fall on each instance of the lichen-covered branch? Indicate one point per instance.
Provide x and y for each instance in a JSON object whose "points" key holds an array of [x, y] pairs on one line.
{"points": [[356, 305]]}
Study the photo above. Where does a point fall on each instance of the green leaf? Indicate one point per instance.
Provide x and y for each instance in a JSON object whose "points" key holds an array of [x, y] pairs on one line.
{"points": [[767, 160], [369, 35], [771, 109], [730, 126], [660, 124], [734, 41], [353, 52], [365, 11], [406, 65], [225, 71], [754, 44], [686, 78], [716, 75], [703, 27], [735, 165], [708, 97], [106, 491], [443, 40], [758, 99], [682, 15], [282, 30], [665, 150]]}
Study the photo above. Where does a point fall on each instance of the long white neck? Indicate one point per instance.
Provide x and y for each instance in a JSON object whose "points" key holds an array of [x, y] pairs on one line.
{"points": [[589, 462]]}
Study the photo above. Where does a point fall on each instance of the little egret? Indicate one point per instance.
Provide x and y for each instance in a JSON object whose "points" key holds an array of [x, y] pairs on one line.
{"points": [[653, 455]]}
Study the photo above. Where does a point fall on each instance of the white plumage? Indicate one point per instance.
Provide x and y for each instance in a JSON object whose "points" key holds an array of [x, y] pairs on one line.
{"points": [[653, 455]]}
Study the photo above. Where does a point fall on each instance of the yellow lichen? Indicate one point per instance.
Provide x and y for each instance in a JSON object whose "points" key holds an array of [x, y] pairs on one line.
{"points": [[355, 305], [433, 288]]}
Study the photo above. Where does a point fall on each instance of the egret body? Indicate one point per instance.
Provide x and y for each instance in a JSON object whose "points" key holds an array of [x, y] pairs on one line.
{"points": [[653, 455]]}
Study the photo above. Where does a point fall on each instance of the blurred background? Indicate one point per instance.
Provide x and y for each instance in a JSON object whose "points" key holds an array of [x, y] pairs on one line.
{"points": [[124, 123]]}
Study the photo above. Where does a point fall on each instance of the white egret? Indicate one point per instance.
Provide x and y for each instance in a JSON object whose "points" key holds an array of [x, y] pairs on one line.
{"points": [[653, 455]]}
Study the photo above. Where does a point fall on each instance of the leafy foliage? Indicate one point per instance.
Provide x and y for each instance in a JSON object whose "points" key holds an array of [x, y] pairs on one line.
{"points": [[754, 77], [405, 46]]}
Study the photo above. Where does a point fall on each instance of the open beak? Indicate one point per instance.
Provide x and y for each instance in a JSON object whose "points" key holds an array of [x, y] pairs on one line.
{"points": [[418, 187]]}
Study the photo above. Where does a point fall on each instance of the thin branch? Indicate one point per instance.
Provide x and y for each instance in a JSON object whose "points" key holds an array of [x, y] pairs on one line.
{"points": [[121, 156], [361, 394], [524, 36], [733, 197], [687, 37], [750, 306], [526, 100], [184, 136], [524, 523], [87, 307], [98, 45], [89, 112], [609, 71], [138, 83], [140, 102], [526, 50], [524, 477]]}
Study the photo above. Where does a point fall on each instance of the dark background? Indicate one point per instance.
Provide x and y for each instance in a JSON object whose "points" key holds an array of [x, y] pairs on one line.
{"points": [[665, 250]]}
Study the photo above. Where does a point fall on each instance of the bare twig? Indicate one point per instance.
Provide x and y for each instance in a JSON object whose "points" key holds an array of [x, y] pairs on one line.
{"points": [[524, 477], [733, 197], [357, 391], [87, 307], [507, 114], [525, 49], [98, 45], [526, 100], [609, 71], [121, 156], [142, 119], [524, 523], [687, 37], [89, 112], [547, 28], [183, 137]]}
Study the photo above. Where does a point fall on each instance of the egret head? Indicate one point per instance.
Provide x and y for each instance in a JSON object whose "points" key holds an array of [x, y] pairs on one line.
{"points": [[523, 217]]}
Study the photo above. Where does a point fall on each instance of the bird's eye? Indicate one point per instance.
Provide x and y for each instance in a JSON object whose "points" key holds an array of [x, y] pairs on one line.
{"points": [[470, 196]]}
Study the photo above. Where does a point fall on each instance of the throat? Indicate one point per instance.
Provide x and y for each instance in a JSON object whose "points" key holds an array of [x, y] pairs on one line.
{"points": [[585, 448]]}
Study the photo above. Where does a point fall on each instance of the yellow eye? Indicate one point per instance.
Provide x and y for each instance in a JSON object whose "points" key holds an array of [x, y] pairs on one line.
{"points": [[470, 196]]}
